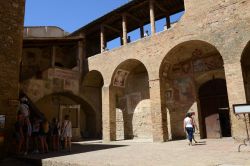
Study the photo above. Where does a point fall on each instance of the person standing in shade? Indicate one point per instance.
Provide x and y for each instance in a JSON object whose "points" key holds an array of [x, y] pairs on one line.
{"points": [[67, 132], [188, 127]]}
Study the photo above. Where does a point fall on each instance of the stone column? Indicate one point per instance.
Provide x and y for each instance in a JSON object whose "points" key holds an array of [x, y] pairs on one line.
{"points": [[236, 95], [124, 29], [152, 16], [103, 42], [11, 38], [142, 31], [159, 118], [108, 114]]}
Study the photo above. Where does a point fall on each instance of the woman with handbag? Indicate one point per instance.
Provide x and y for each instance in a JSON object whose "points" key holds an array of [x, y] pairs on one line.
{"points": [[67, 132]]}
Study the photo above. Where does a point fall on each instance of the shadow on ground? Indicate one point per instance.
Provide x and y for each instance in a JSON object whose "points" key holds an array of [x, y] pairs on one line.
{"points": [[36, 159]]}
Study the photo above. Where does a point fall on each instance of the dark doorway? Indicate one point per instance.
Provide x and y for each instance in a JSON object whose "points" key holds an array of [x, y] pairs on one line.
{"points": [[214, 100]]}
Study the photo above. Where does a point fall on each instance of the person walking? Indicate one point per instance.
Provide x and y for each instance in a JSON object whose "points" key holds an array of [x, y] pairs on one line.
{"points": [[67, 132], [188, 127]]}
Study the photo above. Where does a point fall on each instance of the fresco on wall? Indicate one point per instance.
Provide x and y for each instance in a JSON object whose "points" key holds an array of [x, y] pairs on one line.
{"points": [[180, 86], [120, 78], [184, 88], [207, 64]]}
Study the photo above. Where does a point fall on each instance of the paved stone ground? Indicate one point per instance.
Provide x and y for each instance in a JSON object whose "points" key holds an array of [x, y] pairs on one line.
{"points": [[220, 152]]}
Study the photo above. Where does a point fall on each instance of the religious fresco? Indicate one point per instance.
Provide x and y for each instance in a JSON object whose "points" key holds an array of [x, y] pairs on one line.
{"points": [[208, 63], [180, 86], [120, 78]]}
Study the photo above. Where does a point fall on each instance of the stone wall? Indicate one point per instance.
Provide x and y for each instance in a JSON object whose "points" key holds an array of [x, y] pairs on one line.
{"points": [[11, 31], [222, 24]]}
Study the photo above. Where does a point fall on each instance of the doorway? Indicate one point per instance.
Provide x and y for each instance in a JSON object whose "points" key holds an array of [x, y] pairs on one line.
{"points": [[214, 110]]}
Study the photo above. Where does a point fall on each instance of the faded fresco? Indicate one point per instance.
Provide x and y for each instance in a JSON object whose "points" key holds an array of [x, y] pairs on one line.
{"points": [[120, 78], [180, 87]]}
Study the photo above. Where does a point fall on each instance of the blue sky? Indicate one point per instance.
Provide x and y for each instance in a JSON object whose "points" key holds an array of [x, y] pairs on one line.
{"points": [[67, 14], [70, 15]]}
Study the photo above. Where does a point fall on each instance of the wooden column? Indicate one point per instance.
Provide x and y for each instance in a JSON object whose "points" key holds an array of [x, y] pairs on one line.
{"points": [[142, 31], [80, 56], [168, 21], [102, 39], [152, 16], [124, 29], [53, 58]]}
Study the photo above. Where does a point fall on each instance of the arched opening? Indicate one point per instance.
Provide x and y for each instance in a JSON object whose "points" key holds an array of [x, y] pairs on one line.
{"points": [[245, 64], [183, 71], [214, 109], [130, 87], [82, 115], [91, 90]]}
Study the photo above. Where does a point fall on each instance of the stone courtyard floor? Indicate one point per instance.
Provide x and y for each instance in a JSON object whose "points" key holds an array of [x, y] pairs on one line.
{"points": [[211, 152]]}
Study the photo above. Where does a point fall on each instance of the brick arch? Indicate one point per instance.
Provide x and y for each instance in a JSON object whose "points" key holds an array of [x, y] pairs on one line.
{"points": [[52, 101], [130, 88], [185, 67], [190, 43], [245, 64], [128, 65]]}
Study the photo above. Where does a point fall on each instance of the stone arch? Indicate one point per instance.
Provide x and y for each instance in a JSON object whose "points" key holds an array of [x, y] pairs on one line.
{"points": [[91, 91], [130, 87], [245, 65], [50, 106], [183, 70]]}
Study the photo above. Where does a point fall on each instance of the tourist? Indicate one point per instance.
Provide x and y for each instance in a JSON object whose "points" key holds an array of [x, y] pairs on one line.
{"points": [[128, 39], [43, 132], [55, 133], [18, 135], [24, 107], [146, 33], [35, 134], [188, 127], [27, 131], [67, 132], [194, 125]]}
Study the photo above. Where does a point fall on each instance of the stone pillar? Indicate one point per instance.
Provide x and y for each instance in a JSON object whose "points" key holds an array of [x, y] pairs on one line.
{"points": [[158, 118], [53, 57], [142, 31], [103, 42], [124, 29], [11, 38], [168, 23], [152, 16], [108, 114], [236, 95]]}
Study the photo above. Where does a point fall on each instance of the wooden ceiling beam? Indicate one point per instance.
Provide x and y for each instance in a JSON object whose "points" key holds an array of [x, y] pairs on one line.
{"points": [[134, 18], [139, 5], [112, 28], [160, 7]]}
